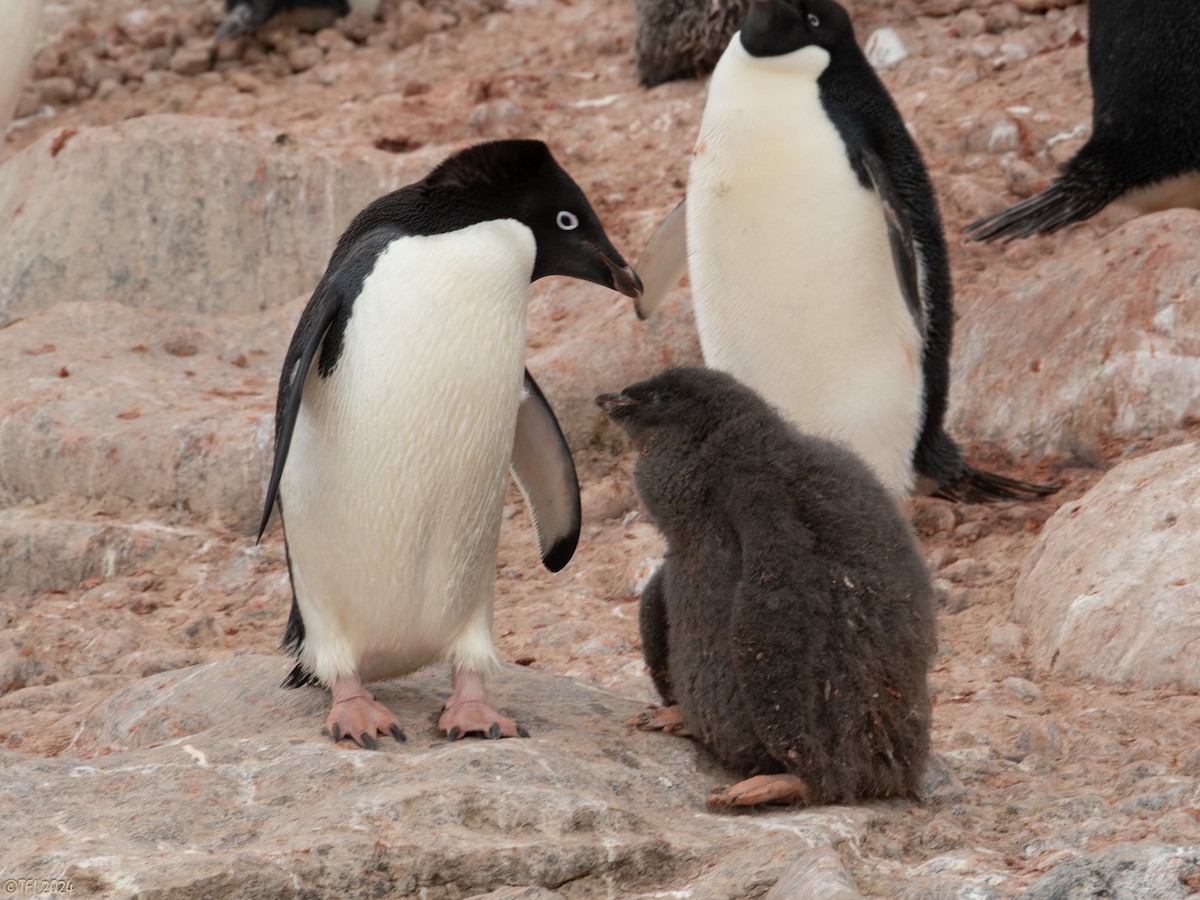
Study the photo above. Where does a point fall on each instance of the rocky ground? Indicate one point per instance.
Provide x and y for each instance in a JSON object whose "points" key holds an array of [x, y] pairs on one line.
{"points": [[167, 204]]}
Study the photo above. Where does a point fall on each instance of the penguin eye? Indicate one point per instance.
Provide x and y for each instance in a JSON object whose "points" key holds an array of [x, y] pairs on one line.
{"points": [[813, 20], [567, 220]]}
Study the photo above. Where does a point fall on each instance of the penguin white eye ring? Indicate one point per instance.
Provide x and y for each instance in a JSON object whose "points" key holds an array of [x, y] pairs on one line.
{"points": [[567, 220], [813, 20]]}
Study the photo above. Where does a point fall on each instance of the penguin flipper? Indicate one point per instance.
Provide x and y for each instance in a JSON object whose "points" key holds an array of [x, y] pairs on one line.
{"points": [[901, 236], [545, 473], [301, 351], [664, 261], [1079, 193]]}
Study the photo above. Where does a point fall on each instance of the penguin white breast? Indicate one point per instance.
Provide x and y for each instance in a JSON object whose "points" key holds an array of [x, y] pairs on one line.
{"points": [[18, 35], [794, 287], [395, 479]]}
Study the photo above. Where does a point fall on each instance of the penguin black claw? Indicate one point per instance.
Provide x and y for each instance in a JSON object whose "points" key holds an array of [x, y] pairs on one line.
{"points": [[455, 734], [522, 732], [336, 733], [367, 741], [397, 733], [493, 733]]}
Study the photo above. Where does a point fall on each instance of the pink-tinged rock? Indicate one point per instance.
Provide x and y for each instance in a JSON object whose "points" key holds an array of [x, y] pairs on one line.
{"points": [[141, 408], [181, 212], [1112, 588], [214, 781], [1099, 341]]}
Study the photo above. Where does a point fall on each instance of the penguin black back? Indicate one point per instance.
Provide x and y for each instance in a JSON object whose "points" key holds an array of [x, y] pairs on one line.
{"points": [[815, 663], [1144, 64]]}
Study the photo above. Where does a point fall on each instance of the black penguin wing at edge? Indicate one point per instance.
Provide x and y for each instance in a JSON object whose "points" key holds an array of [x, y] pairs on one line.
{"points": [[305, 343], [321, 327], [545, 472]]}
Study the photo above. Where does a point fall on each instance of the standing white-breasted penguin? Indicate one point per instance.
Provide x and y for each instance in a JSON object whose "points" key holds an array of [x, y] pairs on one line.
{"points": [[818, 266], [402, 405], [1144, 150], [18, 37]]}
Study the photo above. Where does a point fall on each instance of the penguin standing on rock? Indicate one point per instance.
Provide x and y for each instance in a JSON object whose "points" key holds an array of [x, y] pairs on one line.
{"points": [[402, 405], [792, 620], [247, 16], [1144, 65], [818, 266]]}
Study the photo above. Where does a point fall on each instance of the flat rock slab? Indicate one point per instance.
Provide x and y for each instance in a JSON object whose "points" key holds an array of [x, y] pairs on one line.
{"points": [[1111, 590], [1130, 872], [181, 212], [214, 782], [143, 408]]}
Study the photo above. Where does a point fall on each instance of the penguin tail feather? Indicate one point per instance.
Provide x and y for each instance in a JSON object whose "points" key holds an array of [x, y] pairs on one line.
{"points": [[300, 677], [979, 486], [1078, 194]]}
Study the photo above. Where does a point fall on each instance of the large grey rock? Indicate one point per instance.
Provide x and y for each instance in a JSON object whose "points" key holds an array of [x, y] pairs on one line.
{"points": [[141, 407], [214, 782], [54, 549], [1131, 872], [1112, 588], [180, 212], [1097, 343]]}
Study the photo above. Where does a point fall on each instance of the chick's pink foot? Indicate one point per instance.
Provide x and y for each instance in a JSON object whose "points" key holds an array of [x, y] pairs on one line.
{"points": [[666, 718], [761, 789], [357, 715], [469, 712]]}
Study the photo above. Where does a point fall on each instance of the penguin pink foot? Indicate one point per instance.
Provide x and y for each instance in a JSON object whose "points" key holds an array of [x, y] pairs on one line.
{"points": [[469, 712], [666, 718], [357, 715], [761, 789]]}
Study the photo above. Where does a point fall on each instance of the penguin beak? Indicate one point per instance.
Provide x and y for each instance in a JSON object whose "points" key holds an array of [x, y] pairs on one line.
{"points": [[616, 405], [624, 278]]}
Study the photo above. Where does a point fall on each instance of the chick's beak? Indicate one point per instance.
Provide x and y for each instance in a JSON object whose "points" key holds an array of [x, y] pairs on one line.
{"points": [[615, 404]]}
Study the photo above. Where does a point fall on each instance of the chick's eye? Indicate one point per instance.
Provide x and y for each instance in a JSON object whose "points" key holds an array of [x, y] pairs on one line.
{"points": [[567, 220], [813, 20]]}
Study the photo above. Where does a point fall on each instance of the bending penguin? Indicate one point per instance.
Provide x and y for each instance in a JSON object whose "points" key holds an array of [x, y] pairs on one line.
{"points": [[402, 404], [792, 619], [812, 237], [1144, 150], [246, 16]]}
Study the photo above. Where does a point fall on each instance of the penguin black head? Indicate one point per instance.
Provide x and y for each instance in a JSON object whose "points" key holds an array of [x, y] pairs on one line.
{"points": [[682, 406], [778, 27], [520, 179]]}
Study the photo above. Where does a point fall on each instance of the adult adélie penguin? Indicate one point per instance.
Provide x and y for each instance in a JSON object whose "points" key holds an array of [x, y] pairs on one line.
{"points": [[402, 404], [812, 237]]}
